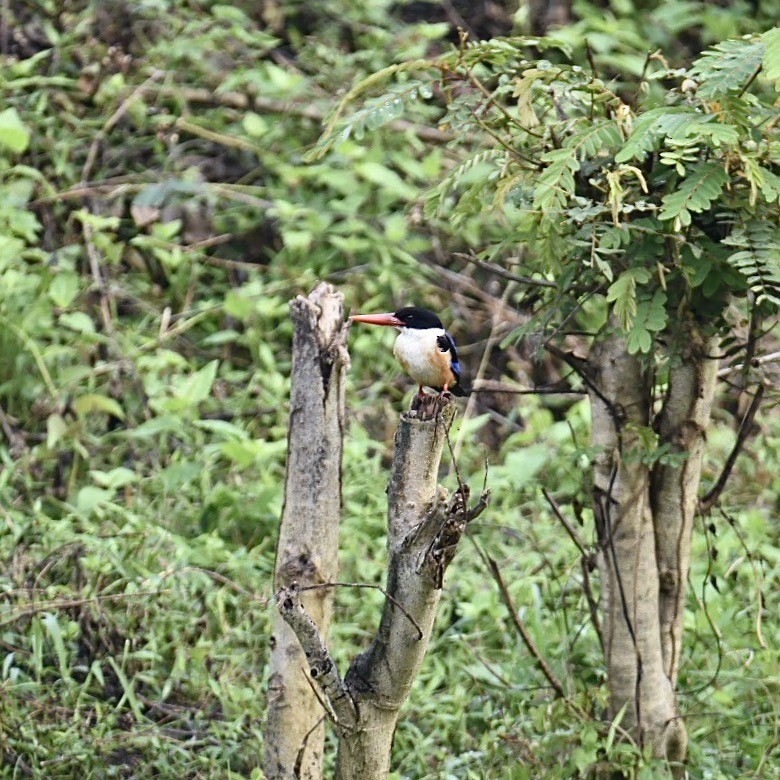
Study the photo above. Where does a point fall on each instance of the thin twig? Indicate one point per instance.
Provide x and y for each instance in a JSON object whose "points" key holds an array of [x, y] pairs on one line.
{"points": [[457, 20], [322, 667], [585, 564], [45, 606], [591, 59], [15, 439], [555, 388], [749, 81], [498, 315], [98, 278], [711, 498], [393, 601], [463, 284], [771, 357], [579, 364], [703, 603], [112, 121], [545, 668], [491, 101], [504, 274], [304, 741], [570, 529], [756, 577]]}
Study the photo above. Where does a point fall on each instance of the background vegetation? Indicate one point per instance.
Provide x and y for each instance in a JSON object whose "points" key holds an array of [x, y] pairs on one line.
{"points": [[156, 215]]}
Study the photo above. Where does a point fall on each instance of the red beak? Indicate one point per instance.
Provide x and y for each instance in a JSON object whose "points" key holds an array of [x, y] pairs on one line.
{"points": [[377, 319]]}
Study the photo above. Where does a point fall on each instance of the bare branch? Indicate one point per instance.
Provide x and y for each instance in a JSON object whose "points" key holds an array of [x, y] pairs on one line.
{"points": [[525, 635], [580, 366], [771, 357], [372, 587], [556, 388], [322, 667], [503, 273], [307, 545], [711, 498], [570, 529]]}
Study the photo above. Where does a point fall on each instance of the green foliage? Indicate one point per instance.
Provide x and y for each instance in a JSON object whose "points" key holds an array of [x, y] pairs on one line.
{"points": [[727, 67], [639, 201], [701, 187], [573, 159], [758, 259]]}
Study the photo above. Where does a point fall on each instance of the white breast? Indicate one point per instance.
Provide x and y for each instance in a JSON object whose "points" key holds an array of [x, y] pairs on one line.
{"points": [[419, 355]]}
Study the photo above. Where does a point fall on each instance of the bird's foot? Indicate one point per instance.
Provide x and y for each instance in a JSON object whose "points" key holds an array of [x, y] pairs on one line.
{"points": [[429, 405]]}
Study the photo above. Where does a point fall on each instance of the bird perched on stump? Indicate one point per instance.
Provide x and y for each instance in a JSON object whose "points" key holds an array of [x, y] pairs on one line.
{"points": [[424, 349]]}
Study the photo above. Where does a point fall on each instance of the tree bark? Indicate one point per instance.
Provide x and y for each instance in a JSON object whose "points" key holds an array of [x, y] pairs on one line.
{"points": [[638, 683], [424, 528], [307, 548], [380, 679], [683, 425]]}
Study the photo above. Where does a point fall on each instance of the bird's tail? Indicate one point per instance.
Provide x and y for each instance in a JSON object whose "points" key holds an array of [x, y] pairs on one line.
{"points": [[459, 391]]}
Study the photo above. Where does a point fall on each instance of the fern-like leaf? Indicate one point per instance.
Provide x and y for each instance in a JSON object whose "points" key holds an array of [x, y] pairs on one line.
{"points": [[696, 192], [728, 66], [771, 62], [436, 197], [705, 130], [622, 295], [650, 128], [375, 112], [595, 137], [555, 184], [758, 259]]}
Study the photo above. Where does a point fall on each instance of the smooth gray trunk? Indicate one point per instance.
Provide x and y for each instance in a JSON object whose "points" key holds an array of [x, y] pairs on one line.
{"points": [[638, 683], [644, 516], [683, 425]]}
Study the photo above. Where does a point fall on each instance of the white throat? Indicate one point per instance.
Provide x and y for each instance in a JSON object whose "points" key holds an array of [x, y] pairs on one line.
{"points": [[416, 350]]}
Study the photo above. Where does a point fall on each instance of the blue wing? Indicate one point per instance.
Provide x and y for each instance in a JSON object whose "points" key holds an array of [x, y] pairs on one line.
{"points": [[447, 344]]}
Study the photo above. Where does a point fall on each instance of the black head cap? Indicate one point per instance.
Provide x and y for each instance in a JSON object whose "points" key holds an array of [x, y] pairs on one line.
{"points": [[415, 317]]}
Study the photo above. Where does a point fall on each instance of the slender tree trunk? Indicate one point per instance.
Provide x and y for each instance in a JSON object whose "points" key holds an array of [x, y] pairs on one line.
{"points": [[638, 683], [645, 522], [424, 528], [675, 485], [307, 548]]}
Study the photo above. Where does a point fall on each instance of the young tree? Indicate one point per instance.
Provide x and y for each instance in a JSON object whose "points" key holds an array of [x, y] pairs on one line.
{"points": [[424, 528], [645, 217]]}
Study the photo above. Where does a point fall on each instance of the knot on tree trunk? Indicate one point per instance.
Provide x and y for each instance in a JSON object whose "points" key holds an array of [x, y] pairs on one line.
{"points": [[299, 565], [668, 580]]}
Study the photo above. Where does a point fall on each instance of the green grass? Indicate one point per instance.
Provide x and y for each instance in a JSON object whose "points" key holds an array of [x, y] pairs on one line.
{"points": [[142, 452]]}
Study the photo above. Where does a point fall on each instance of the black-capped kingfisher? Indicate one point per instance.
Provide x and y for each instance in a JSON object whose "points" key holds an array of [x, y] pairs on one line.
{"points": [[424, 349]]}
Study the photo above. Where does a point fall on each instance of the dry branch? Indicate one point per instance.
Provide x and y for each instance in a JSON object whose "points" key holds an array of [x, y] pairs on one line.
{"points": [[322, 668], [523, 631], [424, 529], [745, 428], [307, 549]]}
